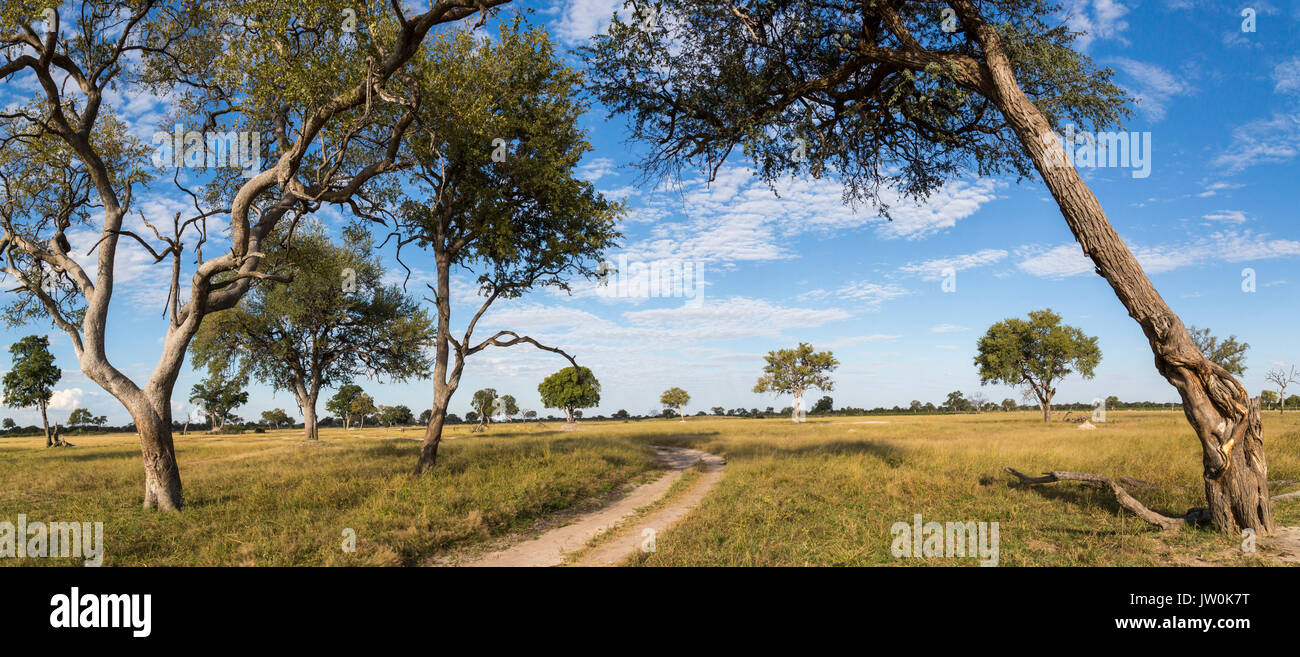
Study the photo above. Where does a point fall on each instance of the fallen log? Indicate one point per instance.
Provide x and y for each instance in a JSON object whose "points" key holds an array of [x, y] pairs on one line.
{"points": [[1164, 522]]}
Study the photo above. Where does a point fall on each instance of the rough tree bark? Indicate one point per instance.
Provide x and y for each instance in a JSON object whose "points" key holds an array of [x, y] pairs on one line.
{"points": [[45, 421], [1218, 407]]}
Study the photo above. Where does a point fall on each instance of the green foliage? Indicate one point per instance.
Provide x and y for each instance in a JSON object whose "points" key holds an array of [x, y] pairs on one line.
{"points": [[508, 406], [398, 415], [277, 418], [795, 371], [334, 319], [363, 406], [876, 105], [957, 401], [570, 388], [824, 405], [1268, 398], [527, 220], [1036, 352], [1228, 354], [341, 403], [31, 379], [675, 398], [220, 393], [484, 403]]}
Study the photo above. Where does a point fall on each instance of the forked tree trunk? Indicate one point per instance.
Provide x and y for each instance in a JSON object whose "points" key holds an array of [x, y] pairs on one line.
{"points": [[1218, 407]]}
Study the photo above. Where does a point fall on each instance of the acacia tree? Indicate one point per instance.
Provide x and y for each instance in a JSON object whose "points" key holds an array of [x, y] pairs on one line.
{"points": [[363, 406], [796, 371], [276, 418], [334, 319], [675, 398], [220, 393], [484, 403], [495, 189], [300, 74], [1281, 378], [508, 406], [906, 94], [571, 388], [1035, 354], [341, 403], [1228, 354], [31, 378]]}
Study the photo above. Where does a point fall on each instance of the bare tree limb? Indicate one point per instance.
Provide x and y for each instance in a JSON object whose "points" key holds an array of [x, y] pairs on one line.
{"points": [[1165, 523]]}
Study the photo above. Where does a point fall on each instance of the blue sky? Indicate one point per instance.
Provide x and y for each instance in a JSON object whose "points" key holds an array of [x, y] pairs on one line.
{"points": [[1222, 107]]}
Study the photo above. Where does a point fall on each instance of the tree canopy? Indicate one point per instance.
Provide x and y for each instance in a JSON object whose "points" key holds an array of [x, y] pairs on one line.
{"points": [[796, 371], [570, 388], [1036, 353], [334, 319], [31, 378]]}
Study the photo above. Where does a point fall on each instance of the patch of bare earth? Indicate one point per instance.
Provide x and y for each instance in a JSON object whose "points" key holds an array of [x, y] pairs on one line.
{"points": [[1280, 549], [574, 531]]}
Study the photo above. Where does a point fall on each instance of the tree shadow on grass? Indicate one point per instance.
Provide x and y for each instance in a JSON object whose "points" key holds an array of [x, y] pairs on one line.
{"points": [[1087, 497], [892, 455]]}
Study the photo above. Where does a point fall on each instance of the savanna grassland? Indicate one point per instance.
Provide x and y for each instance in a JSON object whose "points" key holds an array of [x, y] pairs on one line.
{"points": [[823, 493]]}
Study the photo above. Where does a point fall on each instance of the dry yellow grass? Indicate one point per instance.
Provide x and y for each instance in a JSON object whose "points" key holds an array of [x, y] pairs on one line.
{"points": [[826, 492]]}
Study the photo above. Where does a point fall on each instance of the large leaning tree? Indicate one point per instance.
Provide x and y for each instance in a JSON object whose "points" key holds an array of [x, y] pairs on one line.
{"points": [[795, 372], [31, 378], [335, 318], [494, 191], [307, 79], [908, 94], [1035, 353]]}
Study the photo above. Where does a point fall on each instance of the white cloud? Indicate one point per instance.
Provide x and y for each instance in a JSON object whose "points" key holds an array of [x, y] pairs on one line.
{"points": [[738, 218], [932, 270], [1226, 216], [1100, 19], [1153, 87], [948, 328], [1228, 246], [867, 293], [582, 19], [1262, 141], [1286, 76], [66, 400]]}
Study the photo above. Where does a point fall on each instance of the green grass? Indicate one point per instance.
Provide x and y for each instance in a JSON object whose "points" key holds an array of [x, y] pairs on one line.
{"points": [[826, 492], [275, 500]]}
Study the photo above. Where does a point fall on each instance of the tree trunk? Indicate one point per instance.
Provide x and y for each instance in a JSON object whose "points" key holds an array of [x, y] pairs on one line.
{"points": [[568, 414], [162, 478], [310, 432], [680, 414], [46, 423], [432, 438], [1216, 404]]}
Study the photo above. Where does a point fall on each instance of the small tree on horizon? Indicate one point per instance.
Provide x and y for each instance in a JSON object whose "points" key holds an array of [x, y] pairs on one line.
{"points": [[1035, 354], [484, 403], [570, 388], [219, 394], [1281, 378], [341, 403], [796, 371], [675, 398], [508, 407], [363, 406], [277, 418], [31, 379]]}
